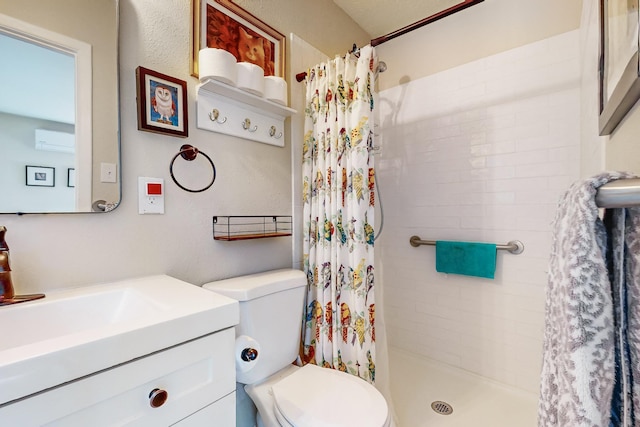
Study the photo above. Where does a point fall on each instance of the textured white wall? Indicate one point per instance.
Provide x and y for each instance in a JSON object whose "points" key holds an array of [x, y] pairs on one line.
{"points": [[55, 251], [480, 152], [592, 151]]}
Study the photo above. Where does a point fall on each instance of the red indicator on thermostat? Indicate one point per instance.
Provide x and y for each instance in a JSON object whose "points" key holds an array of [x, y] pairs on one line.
{"points": [[154, 189]]}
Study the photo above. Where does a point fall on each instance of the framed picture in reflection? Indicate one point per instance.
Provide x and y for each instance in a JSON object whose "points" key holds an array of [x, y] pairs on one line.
{"points": [[40, 176], [71, 177]]}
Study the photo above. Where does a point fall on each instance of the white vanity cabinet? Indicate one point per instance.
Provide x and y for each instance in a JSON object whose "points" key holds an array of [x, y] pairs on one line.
{"points": [[198, 377]]}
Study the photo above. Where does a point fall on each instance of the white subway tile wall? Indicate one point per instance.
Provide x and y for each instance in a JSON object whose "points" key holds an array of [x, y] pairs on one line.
{"points": [[480, 152]]}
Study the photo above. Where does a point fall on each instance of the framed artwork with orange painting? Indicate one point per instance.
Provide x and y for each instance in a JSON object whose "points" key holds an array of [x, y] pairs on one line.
{"points": [[224, 25]]}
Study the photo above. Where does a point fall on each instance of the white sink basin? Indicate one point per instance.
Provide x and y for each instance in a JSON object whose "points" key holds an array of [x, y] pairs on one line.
{"points": [[73, 333]]}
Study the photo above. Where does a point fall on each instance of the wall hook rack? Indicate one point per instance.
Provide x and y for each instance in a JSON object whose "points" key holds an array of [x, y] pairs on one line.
{"points": [[234, 105]]}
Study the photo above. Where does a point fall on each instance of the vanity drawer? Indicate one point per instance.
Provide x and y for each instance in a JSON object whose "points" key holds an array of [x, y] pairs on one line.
{"points": [[219, 414], [194, 374]]}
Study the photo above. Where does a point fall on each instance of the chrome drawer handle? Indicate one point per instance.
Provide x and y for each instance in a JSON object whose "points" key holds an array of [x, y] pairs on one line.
{"points": [[157, 397]]}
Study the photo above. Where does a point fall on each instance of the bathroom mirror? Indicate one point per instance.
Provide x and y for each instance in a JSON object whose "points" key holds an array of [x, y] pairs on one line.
{"points": [[59, 125]]}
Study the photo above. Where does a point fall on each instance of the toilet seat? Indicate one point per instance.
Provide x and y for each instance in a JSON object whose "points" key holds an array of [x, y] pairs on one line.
{"points": [[319, 397]]}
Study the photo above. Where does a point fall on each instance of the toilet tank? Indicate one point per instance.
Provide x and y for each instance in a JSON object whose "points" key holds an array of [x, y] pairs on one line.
{"points": [[271, 307]]}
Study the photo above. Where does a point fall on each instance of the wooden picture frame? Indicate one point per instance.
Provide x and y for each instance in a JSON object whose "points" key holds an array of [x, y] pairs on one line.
{"points": [[162, 103], [40, 176], [71, 177], [619, 72], [224, 25]]}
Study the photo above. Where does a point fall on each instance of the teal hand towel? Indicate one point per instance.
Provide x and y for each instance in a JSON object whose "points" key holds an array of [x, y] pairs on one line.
{"points": [[469, 259]]}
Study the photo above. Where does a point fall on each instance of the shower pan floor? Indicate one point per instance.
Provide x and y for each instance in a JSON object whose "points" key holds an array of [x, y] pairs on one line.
{"points": [[416, 382]]}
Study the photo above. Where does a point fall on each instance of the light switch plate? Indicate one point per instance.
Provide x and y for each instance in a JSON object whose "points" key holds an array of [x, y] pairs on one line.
{"points": [[108, 172], [150, 195]]}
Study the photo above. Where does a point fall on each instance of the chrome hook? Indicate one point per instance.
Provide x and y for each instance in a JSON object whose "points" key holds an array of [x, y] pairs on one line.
{"points": [[272, 133], [246, 125], [215, 114]]}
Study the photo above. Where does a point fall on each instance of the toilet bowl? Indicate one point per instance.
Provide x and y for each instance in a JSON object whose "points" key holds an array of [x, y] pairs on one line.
{"points": [[285, 394], [317, 397]]}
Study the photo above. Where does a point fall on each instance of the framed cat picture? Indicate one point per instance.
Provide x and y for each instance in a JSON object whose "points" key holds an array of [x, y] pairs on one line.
{"points": [[224, 25]]}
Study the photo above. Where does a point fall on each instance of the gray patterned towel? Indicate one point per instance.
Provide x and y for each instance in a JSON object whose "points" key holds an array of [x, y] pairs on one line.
{"points": [[591, 356]]}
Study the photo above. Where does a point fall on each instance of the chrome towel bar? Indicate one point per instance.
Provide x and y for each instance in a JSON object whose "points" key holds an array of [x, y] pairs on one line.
{"points": [[514, 246], [622, 193]]}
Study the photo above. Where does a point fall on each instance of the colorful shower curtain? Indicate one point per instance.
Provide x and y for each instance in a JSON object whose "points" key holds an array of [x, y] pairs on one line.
{"points": [[338, 210]]}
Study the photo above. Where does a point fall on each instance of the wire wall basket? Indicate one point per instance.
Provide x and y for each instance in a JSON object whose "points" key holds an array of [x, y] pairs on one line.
{"points": [[232, 228]]}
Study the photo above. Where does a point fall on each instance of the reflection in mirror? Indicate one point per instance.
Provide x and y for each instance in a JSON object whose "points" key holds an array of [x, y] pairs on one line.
{"points": [[59, 108]]}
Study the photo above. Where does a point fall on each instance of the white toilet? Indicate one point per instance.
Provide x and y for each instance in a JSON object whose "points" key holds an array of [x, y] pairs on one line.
{"points": [[267, 343]]}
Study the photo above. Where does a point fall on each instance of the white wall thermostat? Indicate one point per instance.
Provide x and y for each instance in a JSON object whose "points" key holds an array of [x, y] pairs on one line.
{"points": [[150, 195]]}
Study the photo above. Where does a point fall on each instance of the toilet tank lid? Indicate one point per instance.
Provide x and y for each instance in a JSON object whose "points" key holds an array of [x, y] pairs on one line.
{"points": [[244, 288]]}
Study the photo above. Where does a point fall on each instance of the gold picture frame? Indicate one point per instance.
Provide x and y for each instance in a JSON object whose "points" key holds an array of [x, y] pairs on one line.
{"points": [[225, 25]]}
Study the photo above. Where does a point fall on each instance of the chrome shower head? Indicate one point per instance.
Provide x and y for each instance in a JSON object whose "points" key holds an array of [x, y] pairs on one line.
{"points": [[382, 67]]}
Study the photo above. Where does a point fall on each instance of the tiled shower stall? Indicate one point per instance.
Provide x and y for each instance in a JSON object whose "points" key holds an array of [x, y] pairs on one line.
{"points": [[480, 152]]}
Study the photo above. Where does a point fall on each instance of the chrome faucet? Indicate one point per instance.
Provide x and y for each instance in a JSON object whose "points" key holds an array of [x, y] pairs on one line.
{"points": [[7, 293]]}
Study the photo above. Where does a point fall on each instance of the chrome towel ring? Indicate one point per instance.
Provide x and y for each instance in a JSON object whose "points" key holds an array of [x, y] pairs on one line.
{"points": [[189, 153]]}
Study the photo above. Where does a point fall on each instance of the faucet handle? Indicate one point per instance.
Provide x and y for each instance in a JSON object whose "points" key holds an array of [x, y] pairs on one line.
{"points": [[4, 261], [6, 284], [3, 243]]}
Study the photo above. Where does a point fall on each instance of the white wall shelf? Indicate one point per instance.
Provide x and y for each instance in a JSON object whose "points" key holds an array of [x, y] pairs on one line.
{"points": [[226, 109]]}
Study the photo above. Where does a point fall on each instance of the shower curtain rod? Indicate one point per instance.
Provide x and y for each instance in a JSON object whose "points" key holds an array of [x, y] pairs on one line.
{"points": [[355, 49], [421, 23], [622, 193]]}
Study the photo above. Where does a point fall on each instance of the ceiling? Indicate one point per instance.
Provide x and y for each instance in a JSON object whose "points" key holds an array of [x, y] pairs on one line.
{"points": [[380, 17]]}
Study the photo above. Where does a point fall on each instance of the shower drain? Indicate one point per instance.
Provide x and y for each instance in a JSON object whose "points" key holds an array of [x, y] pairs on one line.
{"points": [[442, 408]]}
